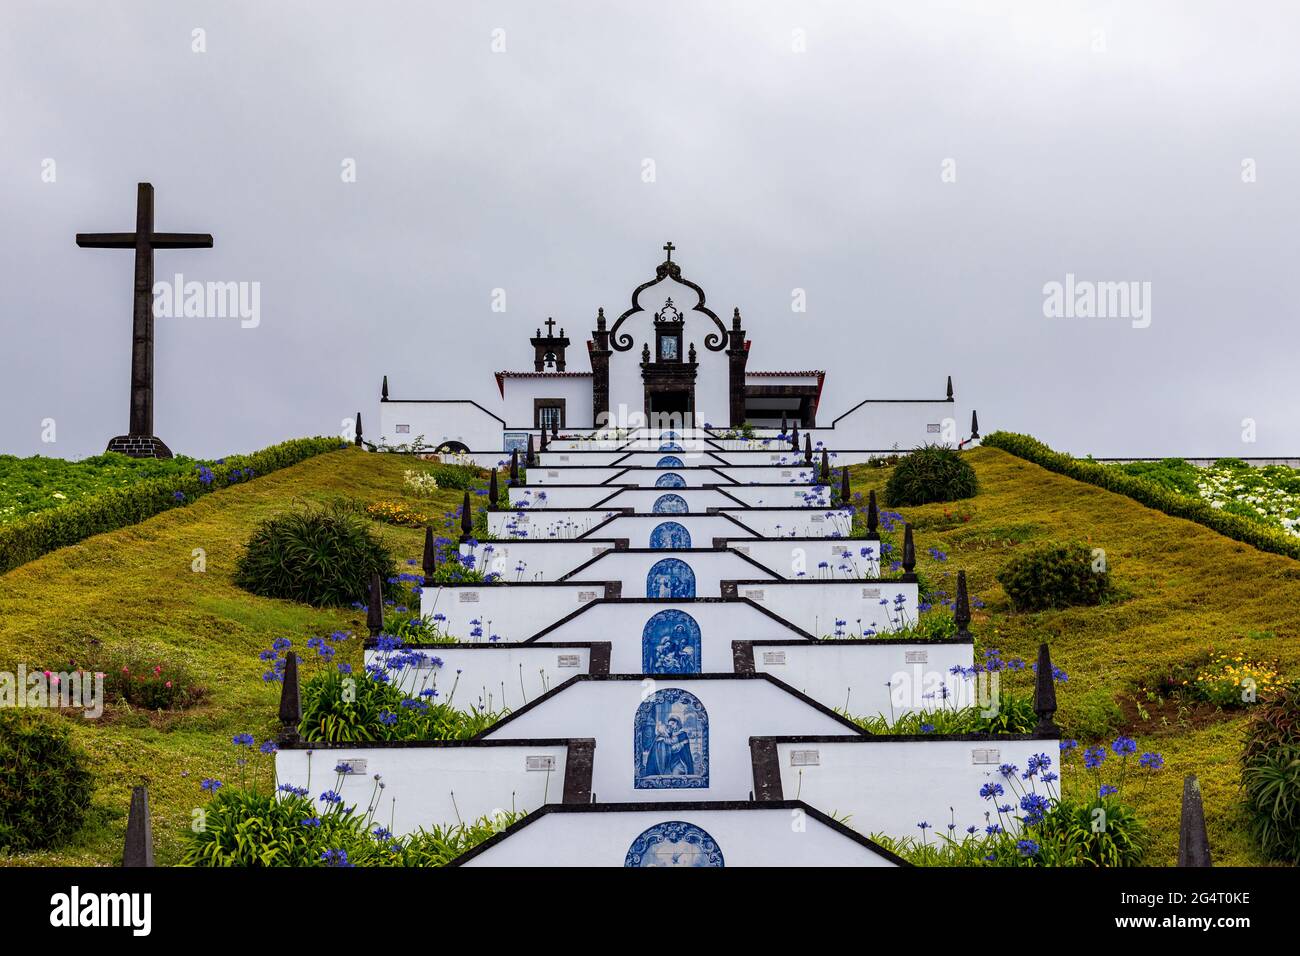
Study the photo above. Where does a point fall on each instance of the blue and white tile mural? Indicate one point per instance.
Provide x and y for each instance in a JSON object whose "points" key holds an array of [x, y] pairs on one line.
{"points": [[669, 461], [674, 843], [670, 505], [670, 446], [670, 742], [670, 578], [670, 644], [670, 536], [670, 480]]}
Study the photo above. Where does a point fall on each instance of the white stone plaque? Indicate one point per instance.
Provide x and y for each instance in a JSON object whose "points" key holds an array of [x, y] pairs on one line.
{"points": [[356, 765], [817, 519], [986, 755], [540, 762], [597, 551], [754, 594], [916, 657], [871, 592], [552, 474], [933, 429], [585, 596], [564, 458], [787, 474], [741, 548], [569, 660], [773, 657], [805, 758], [467, 597]]}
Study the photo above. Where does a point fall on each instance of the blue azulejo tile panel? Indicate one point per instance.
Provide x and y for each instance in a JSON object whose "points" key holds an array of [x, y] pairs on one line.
{"points": [[674, 843], [670, 505], [670, 644], [670, 578], [670, 446], [670, 742], [670, 480], [670, 536], [669, 461]]}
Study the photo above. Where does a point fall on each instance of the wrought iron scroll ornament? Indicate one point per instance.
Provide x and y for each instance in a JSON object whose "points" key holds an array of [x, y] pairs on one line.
{"points": [[714, 341]]}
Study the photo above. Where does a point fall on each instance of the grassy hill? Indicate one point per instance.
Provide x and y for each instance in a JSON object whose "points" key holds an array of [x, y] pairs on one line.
{"points": [[1185, 589]]}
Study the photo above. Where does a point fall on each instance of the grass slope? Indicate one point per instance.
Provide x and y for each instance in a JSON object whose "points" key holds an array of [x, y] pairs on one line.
{"points": [[136, 586], [1187, 589]]}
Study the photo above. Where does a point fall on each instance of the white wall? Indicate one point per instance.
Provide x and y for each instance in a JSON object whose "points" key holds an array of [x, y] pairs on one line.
{"points": [[880, 425], [606, 710], [539, 475], [562, 497], [511, 612], [815, 606], [638, 528], [872, 678], [697, 499], [632, 567], [785, 495], [625, 620], [491, 676], [548, 524], [541, 560], [791, 523], [520, 392], [889, 785], [787, 557], [418, 781], [439, 422], [768, 474], [748, 837]]}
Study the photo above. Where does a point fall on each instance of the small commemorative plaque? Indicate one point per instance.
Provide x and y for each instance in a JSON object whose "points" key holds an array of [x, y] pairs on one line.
{"points": [[569, 660], [468, 597], [871, 592], [772, 658], [933, 429], [356, 766], [754, 594], [916, 657], [539, 762], [986, 755], [805, 758], [817, 519], [585, 596], [552, 474]]}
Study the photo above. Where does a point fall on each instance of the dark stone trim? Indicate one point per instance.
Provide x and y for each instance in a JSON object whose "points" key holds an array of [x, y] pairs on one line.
{"points": [[433, 744], [883, 641], [742, 656], [371, 643], [697, 806], [766, 765], [599, 660], [864, 738], [578, 765], [540, 403], [449, 401], [662, 601]]}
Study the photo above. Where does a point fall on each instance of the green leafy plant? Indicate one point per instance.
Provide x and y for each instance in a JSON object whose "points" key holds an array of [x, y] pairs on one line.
{"points": [[930, 473], [1270, 776], [1054, 576], [142, 678], [321, 556], [45, 788]]}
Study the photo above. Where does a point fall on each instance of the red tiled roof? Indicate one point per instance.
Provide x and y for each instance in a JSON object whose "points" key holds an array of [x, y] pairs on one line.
{"points": [[812, 373]]}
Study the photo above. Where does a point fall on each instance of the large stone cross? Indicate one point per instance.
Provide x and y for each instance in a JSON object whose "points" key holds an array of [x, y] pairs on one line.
{"points": [[140, 441]]}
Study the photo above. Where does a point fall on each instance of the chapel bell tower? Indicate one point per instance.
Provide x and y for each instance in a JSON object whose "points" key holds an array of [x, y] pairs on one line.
{"points": [[548, 349]]}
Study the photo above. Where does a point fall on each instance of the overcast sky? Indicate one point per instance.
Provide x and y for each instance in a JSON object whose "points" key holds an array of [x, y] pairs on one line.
{"points": [[794, 145]]}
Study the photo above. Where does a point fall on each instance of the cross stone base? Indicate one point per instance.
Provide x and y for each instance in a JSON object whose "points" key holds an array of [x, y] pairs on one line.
{"points": [[140, 446]]}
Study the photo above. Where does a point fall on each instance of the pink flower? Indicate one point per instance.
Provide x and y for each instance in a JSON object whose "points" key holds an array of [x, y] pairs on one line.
{"points": [[169, 684]]}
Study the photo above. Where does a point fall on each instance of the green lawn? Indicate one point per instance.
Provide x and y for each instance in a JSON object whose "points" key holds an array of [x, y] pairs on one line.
{"points": [[1187, 589]]}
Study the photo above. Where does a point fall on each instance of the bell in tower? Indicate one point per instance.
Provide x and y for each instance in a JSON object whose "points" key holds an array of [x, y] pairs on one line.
{"points": [[548, 349]]}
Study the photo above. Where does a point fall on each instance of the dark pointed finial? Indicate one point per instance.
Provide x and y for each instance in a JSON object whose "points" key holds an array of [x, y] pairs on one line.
{"points": [[290, 696], [645, 352], [974, 424], [845, 498], [909, 554], [826, 467], [1193, 841], [600, 318], [430, 563], [1045, 693], [138, 850], [383, 392], [545, 433], [493, 490], [375, 606], [690, 355], [357, 439], [961, 613], [514, 468], [555, 428], [466, 520], [785, 423], [950, 388], [531, 458], [794, 438], [735, 318], [873, 516], [807, 448]]}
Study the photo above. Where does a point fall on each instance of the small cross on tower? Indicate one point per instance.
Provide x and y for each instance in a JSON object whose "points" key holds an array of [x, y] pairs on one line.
{"points": [[550, 327], [140, 441], [668, 248]]}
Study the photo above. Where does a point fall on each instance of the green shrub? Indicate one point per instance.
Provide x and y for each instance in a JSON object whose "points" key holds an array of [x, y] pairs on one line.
{"points": [[1015, 715], [28, 538], [320, 556], [1271, 776], [930, 473], [1149, 493], [347, 708], [460, 477], [1053, 576], [45, 787], [142, 679]]}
